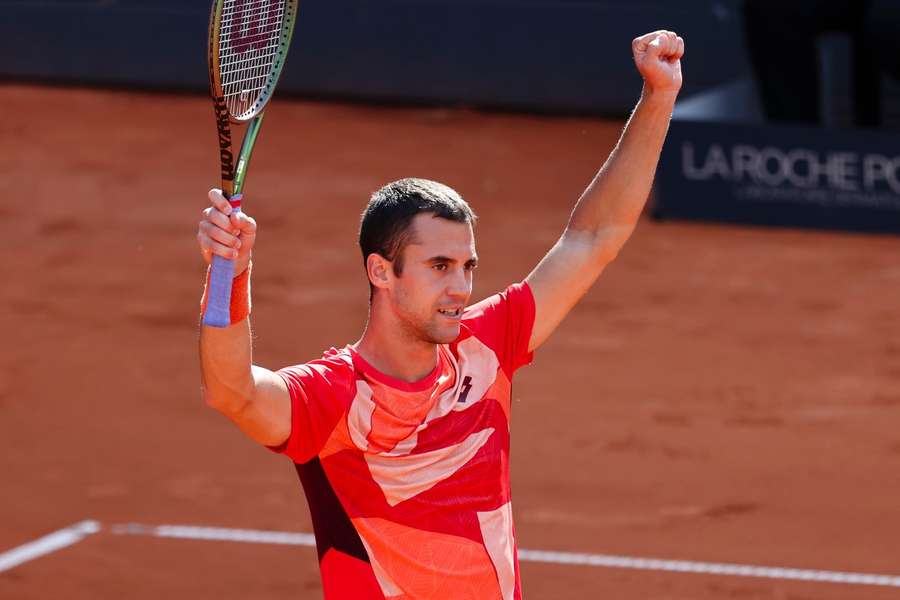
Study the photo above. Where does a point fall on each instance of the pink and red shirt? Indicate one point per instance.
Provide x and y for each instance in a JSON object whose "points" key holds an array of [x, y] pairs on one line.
{"points": [[408, 483]]}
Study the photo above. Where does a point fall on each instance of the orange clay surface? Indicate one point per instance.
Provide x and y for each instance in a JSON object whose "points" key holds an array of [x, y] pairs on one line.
{"points": [[723, 394]]}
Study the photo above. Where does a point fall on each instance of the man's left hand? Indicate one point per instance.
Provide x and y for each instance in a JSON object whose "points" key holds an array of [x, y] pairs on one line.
{"points": [[657, 56]]}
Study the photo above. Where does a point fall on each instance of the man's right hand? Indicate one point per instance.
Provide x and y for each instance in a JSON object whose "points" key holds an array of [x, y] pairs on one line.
{"points": [[226, 233]]}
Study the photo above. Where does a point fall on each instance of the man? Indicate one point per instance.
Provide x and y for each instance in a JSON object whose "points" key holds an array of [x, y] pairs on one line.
{"points": [[401, 439]]}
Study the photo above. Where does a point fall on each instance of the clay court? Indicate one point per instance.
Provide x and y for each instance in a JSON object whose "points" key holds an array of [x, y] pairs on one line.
{"points": [[723, 395]]}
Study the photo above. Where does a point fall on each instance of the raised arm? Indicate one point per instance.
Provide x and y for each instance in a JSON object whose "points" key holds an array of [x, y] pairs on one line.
{"points": [[608, 210], [256, 399]]}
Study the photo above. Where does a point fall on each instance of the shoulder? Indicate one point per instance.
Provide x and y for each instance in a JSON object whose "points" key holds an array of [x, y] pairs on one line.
{"points": [[321, 391], [516, 299], [333, 374], [503, 323]]}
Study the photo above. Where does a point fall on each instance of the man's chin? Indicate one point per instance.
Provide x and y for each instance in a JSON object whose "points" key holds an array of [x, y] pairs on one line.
{"points": [[444, 335]]}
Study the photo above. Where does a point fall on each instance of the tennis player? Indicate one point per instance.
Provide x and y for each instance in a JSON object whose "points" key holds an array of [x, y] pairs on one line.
{"points": [[401, 439]]}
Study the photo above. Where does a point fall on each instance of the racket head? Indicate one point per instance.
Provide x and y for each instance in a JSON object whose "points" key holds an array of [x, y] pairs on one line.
{"points": [[248, 45]]}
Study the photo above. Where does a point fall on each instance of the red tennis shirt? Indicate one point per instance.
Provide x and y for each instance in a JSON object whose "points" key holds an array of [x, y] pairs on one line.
{"points": [[408, 483]]}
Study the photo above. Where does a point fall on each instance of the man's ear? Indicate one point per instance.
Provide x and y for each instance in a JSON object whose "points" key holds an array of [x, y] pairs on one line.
{"points": [[378, 268]]}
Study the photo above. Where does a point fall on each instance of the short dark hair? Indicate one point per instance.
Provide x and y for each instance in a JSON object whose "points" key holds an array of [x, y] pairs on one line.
{"points": [[385, 226]]}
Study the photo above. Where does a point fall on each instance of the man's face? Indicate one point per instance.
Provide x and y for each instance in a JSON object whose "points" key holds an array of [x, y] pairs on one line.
{"points": [[436, 280]]}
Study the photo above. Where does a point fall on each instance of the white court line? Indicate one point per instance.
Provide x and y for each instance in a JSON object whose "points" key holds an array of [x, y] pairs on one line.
{"points": [[540, 556], [47, 544], [188, 532], [686, 566]]}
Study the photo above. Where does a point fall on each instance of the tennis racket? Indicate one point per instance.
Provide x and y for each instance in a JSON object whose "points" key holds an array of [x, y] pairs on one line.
{"points": [[248, 44]]}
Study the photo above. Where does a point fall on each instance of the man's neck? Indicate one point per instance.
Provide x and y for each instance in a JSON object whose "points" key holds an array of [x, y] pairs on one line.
{"points": [[396, 356]]}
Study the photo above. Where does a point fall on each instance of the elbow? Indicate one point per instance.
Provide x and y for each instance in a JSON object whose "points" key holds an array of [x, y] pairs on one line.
{"points": [[609, 241], [227, 404], [598, 247], [209, 399]]}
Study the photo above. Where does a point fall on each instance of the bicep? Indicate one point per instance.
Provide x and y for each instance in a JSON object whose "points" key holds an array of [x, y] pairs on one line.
{"points": [[266, 417], [563, 277]]}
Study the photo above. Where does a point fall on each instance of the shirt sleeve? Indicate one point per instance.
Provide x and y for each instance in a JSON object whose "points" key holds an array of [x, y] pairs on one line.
{"points": [[504, 322], [320, 394]]}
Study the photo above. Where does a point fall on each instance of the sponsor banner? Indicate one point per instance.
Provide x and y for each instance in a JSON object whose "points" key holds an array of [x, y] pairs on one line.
{"points": [[780, 175]]}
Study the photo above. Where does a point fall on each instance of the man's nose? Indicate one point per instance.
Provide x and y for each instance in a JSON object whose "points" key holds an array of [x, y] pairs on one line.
{"points": [[460, 285]]}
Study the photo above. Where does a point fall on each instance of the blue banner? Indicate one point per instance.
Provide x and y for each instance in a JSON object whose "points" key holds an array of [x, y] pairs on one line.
{"points": [[780, 175]]}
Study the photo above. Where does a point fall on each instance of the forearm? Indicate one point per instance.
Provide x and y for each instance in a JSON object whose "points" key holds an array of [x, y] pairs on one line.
{"points": [[610, 206]]}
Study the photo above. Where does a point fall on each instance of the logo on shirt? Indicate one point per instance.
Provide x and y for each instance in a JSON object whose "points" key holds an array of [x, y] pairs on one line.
{"points": [[466, 387]]}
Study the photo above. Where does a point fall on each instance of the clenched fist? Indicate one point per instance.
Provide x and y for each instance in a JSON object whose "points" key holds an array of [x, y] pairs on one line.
{"points": [[226, 233], [657, 56]]}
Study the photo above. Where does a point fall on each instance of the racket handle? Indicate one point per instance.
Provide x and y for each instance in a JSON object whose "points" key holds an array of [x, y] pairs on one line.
{"points": [[218, 298]]}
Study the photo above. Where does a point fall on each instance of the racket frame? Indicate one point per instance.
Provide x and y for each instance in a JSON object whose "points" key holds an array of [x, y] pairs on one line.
{"points": [[233, 177]]}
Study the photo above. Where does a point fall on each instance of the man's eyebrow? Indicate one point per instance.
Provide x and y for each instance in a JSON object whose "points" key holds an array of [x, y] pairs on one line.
{"points": [[440, 259], [447, 259]]}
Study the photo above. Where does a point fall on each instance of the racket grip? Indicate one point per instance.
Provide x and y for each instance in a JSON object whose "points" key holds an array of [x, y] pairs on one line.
{"points": [[218, 299]]}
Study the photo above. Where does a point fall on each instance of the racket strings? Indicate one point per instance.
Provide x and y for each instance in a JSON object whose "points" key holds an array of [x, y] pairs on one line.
{"points": [[265, 54], [235, 72], [231, 6], [249, 39]]}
